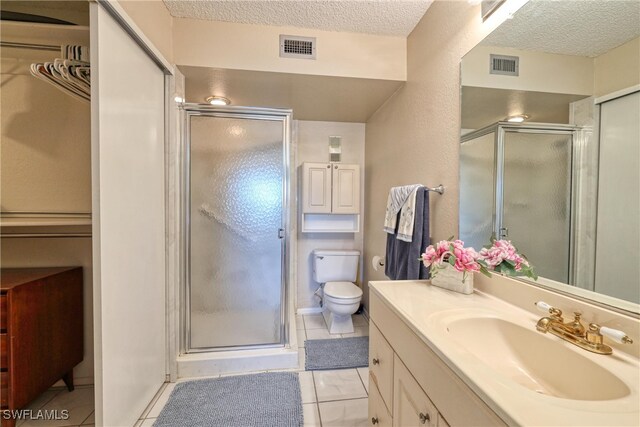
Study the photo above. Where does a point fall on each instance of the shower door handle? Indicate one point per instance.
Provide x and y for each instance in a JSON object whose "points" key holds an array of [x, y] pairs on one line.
{"points": [[504, 233], [280, 233]]}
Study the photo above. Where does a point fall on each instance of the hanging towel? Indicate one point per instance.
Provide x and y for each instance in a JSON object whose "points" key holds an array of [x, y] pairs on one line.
{"points": [[396, 201], [403, 258]]}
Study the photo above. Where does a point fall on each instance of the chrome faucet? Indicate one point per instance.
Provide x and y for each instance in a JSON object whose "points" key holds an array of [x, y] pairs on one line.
{"points": [[590, 339]]}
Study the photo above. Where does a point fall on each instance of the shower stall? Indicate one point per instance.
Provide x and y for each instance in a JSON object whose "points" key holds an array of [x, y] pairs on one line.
{"points": [[236, 212], [516, 184]]}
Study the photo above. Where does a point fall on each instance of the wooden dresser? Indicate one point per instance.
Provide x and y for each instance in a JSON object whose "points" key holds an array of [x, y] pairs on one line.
{"points": [[41, 332]]}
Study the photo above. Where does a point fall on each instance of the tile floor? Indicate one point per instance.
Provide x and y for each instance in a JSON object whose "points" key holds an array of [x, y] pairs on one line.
{"points": [[329, 398]]}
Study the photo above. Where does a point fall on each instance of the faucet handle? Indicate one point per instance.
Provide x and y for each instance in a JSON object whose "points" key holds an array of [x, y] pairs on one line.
{"points": [[543, 306], [613, 334], [616, 335]]}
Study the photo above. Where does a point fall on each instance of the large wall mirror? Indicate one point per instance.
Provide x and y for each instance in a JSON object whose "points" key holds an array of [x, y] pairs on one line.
{"points": [[550, 145]]}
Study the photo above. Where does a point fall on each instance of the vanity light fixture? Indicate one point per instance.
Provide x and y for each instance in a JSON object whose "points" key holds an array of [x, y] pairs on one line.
{"points": [[218, 100], [518, 118]]}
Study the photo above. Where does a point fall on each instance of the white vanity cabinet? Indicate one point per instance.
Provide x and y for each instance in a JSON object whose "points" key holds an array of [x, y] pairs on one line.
{"points": [[330, 197], [410, 385]]}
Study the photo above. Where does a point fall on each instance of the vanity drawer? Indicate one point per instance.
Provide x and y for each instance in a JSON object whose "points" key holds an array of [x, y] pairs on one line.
{"points": [[381, 364], [378, 414], [441, 421], [411, 406], [3, 312]]}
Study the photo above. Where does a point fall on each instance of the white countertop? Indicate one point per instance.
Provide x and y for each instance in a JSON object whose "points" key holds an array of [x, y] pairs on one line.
{"points": [[422, 306]]}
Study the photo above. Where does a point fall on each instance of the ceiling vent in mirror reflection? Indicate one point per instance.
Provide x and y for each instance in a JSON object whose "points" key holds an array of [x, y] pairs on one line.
{"points": [[504, 65]]}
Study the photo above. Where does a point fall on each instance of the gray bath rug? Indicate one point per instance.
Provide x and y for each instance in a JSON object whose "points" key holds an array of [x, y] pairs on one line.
{"points": [[271, 398], [338, 353]]}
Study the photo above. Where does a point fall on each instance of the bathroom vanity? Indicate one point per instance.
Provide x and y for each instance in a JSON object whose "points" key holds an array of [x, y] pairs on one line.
{"points": [[440, 358]]}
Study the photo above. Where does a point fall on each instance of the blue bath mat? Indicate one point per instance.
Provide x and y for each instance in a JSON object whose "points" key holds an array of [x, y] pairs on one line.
{"points": [[338, 353], [271, 398]]}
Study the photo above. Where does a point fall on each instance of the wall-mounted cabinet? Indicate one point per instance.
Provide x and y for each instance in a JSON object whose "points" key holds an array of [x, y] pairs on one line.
{"points": [[330, 198]]}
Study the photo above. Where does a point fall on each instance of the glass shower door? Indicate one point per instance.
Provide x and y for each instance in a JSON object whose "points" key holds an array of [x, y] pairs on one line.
{"points": [[236, 228], [536, 189]]}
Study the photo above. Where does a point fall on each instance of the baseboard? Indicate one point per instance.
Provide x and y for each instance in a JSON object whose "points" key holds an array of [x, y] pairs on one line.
{"points": [[309, 310]]}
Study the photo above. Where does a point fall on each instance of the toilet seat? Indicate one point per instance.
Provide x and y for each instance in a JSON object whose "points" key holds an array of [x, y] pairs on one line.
{"points": [[342, 292]]}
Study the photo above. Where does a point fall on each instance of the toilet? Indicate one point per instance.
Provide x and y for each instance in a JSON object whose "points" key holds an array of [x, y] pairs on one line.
{"points": [[336, 270]]}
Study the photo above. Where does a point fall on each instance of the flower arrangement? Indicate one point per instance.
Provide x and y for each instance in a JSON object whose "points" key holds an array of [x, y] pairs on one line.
{"points": [[452, 252], [500, 256]]}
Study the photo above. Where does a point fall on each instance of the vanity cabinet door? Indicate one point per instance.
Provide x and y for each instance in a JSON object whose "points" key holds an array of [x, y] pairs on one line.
{"points": [[381, 365], [378, 414], [411, 406]]}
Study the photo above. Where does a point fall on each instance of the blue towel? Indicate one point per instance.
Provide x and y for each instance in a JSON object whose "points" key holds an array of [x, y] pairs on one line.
{"points": [[402, 258]]}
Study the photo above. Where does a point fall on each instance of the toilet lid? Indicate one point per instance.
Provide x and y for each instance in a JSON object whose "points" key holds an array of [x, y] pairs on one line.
{"points": [[342, 290]]}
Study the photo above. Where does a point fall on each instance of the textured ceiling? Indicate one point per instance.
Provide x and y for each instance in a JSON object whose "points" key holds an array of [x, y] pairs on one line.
{"points": [[383, 17], [324, 98], [582, 28]]}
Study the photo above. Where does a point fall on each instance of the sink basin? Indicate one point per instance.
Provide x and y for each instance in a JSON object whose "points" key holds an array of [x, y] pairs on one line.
{"points": [[538, 362]]}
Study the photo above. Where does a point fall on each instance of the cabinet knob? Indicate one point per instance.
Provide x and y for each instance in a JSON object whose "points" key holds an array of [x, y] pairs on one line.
{"points": [[424, 418], [376, 361], [374, 420], [335, 167], [328, 166]]}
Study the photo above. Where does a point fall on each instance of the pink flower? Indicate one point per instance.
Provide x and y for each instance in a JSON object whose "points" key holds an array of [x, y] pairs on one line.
{"points": [[500, 251], [438, 255], [429, 256]]}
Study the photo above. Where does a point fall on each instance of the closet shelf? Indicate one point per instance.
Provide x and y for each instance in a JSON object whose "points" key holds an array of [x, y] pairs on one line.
{"points": [[44, 220]]}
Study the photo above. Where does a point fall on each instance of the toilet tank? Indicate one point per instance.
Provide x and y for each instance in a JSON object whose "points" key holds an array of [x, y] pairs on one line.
{"points": [[335, 265]]}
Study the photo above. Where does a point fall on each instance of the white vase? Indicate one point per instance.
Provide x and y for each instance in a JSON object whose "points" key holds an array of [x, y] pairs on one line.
{"points": [[451, 279]]}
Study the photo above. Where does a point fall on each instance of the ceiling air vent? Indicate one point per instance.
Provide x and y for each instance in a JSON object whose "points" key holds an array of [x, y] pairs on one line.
{"points": [[297, 47], [505, 65]]}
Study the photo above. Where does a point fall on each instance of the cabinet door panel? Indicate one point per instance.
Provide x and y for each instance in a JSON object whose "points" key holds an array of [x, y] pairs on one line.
{"points": [[346, 189], [316, 188], [411, 406]]}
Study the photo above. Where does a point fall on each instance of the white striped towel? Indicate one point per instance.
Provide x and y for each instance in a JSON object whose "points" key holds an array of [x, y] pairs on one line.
{"points": [[401, 199]]}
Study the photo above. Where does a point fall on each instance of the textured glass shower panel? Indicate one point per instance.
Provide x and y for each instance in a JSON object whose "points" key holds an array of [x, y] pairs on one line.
{"points": [[477, 190], [537, 199], [237, 177]]}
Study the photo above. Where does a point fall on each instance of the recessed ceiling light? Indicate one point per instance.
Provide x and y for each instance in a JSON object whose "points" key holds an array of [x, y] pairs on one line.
{"points": [[517, 119], [218, 100]]}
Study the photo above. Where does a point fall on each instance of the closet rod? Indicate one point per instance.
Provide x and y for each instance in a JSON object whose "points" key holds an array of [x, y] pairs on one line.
{"points": [[30, 46]]}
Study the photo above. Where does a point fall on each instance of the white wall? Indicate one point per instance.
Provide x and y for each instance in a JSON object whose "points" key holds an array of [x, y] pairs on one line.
{"points": [[313, 146], [256, 47], [538, 71]]}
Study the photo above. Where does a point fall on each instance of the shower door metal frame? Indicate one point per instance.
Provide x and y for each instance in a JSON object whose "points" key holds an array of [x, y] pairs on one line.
{"points": [[500, 129], [189, 110]]}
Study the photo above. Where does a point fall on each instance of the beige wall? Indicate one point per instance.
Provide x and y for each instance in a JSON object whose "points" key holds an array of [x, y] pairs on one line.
{"points": [[313, 146], [617, 69], [153, 18], [415, 136], [539, 71], [256, 47]]}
